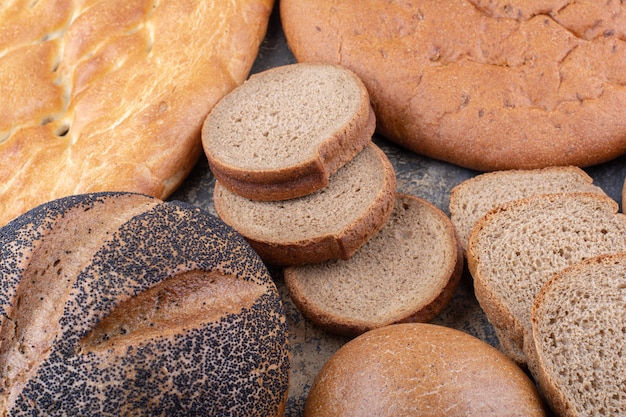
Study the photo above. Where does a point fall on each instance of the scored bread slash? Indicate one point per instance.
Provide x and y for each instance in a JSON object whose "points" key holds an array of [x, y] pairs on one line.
{"points": [[331, 223], [122, 304], [285, 131], [407, 272]]}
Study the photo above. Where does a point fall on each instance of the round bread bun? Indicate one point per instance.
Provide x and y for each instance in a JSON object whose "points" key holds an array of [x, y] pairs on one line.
{"points": [[487, 85], [286, 130], [121, 304], [421, 369], [110, 95]]}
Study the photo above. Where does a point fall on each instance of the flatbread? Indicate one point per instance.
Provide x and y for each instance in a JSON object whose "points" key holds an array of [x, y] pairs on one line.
{"points": [[110, 95], [484, 84]]}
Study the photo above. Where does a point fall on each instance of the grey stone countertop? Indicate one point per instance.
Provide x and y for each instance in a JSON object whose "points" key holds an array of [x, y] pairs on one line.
{"points": [[417, 175]]}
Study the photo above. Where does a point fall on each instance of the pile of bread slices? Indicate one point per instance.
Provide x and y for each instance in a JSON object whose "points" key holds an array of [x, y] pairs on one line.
{"points": [[299, 176], [547, 251]]}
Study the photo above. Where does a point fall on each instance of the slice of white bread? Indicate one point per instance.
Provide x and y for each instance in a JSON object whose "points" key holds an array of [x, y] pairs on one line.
{"points": [[475, 197], [118, 304], [577, 350], [420, 369], [406, 272], [285, 131], [517, 247], [331, 223]]}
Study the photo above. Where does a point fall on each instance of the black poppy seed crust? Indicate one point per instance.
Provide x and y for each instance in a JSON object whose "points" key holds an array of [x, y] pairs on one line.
{"points": [[236, 365]]}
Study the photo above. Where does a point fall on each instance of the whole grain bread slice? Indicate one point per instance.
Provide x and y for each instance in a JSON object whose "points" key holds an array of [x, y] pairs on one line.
{"points": [[285, 131], [577, 350], [518, 246], [407, 272], [331, 223], [475, 197]]}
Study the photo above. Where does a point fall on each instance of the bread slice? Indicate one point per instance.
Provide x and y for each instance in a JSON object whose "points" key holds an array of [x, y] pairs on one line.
{"points": [[331, 223], [284, 132], [407, 272], [473, 198], [577, 349], [517, 247]]}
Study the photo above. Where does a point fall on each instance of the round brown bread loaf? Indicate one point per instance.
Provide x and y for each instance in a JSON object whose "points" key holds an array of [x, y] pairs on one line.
{"points": [[110, 95], [487, 85], [421, 369], [120, 304]]}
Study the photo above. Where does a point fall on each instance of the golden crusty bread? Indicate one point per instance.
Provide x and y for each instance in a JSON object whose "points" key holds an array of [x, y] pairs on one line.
{"points": [[487, 85], [120, 304], [111, 94], [285, 131], [421, 369]]}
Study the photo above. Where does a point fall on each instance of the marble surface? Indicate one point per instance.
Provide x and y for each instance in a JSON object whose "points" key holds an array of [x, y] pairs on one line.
{"points": [[417, 175]]}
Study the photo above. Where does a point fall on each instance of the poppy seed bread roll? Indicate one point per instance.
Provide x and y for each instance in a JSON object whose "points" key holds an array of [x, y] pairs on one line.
{"points": [[121, 304]]}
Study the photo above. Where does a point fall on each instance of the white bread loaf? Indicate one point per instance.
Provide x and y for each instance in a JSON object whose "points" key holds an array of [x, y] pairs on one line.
{"points": [[331, 223], [407, 272], [418, 369], [286, 130], [475, 197], [579, 327], [516, 248], [110, 95], [120, 304]]}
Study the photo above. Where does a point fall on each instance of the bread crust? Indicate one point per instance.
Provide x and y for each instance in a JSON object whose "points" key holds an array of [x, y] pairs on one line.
{"points": [[313, 167], [421, 369], [121, 304], [484, 85], [114, 97]]}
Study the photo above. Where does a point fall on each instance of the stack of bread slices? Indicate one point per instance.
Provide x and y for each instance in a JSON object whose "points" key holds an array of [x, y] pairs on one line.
{"points": [[298, 175], [546, 250]]}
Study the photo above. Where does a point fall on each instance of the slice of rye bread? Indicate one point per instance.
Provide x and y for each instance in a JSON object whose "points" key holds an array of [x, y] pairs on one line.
{"points": [[285, 131], [577, 350], [120, 304], [475, 197], [331, 223], [407, 272], [518, 246]]}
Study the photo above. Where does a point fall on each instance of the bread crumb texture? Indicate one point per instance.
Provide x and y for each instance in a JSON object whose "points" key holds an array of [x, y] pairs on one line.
{"points": [[579, 327], [120, 304]]}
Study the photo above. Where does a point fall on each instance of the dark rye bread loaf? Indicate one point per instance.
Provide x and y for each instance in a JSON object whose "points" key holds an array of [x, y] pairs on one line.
{"points": [[119, 304], [485, 84], [285, 131]]}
